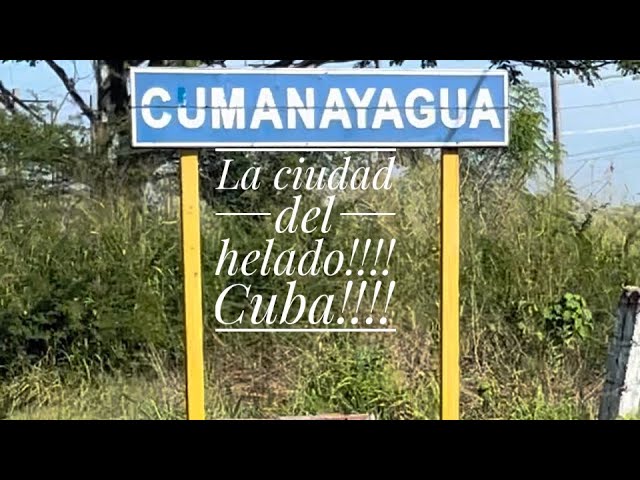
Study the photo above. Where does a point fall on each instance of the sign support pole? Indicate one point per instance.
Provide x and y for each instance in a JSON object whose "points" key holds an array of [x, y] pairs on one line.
{"points": [[191, 261], [449, 281], [153, 126]]}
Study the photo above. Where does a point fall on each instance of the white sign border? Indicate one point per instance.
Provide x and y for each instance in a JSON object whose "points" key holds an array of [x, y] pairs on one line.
{"points": [[315, 71]]}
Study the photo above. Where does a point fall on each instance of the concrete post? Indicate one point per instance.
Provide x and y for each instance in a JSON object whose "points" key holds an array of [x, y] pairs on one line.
{"points": [[621, 393]]}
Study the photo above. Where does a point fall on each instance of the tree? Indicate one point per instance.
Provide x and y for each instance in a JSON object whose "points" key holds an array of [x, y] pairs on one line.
{"points": [[529, 149], [109, 119], [38, 158]]}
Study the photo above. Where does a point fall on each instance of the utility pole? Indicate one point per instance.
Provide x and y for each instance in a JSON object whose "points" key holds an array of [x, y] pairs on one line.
{"points": [[610, 181], [92, 130], [555, 119]]}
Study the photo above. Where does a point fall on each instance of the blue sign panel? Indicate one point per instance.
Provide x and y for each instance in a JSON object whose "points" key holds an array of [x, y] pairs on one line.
{"points": [[183, 108]]}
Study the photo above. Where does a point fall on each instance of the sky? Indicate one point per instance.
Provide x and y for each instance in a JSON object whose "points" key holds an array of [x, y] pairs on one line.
{"points": [[600, 125]]}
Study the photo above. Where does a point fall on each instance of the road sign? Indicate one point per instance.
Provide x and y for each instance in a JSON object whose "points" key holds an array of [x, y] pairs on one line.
{"points": [[316, 109], [194, 108]]}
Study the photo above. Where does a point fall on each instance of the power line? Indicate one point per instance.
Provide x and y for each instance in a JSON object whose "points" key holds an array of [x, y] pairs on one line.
{"points": [[555, 116], [621, 128], [576, 81], [598, 159], [617, 107], [607, 104], [611, 149]]}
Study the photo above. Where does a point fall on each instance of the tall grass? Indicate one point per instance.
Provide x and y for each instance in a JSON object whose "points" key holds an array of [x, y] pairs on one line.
{"points": [[90, 295]]}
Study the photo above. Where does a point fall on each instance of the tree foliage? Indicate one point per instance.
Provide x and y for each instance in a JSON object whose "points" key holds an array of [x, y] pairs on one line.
{"points": [[529, 149], [91, 280], [128, 169], [113, 95], [109, 119]]}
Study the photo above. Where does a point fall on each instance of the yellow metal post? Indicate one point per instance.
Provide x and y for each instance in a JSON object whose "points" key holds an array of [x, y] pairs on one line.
{"points": [[449, 281], [191, 261]]}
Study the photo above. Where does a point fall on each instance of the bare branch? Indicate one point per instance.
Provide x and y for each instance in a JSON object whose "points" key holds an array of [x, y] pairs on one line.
{"points": [[71, 88], [221, 63], [303, 63], [310, 63], [281, 64], [55, 112], [9, 99], [586, 70], [6, 100], [317, 63]]}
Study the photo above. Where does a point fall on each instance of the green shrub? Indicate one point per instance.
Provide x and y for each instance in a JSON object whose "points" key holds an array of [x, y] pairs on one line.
{"points": [[345, 377], [568, 320], [88, 282]]}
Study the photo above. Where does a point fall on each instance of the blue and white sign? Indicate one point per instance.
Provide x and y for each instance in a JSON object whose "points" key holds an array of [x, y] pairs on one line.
{"points": [[291, 108]]}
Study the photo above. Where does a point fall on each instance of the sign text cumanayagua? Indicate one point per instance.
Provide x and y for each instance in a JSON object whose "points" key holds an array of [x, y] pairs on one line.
{"points": [[193, 108]]}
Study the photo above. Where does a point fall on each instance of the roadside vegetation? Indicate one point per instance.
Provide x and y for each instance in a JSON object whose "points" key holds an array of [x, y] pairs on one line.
{"points": [[91, 305]]}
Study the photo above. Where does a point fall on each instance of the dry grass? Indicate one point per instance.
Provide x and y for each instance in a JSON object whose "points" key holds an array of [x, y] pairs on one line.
{"points": [[393, 378]]}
